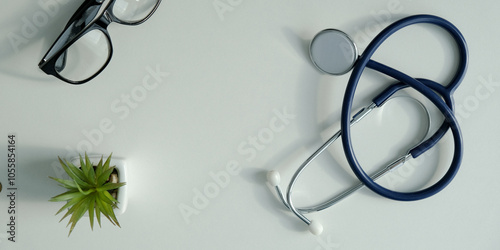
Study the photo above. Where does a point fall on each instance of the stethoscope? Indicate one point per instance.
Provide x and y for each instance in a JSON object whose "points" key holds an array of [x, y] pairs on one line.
{"points": [[333, 52]]}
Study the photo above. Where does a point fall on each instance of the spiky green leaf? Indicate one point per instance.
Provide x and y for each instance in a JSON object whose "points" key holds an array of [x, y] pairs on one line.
{"points": [[73, 208], [107, 198], [105, 209], [106, 164], [114, 201], [69, 184], [99, 169], [75, 173], [90, 167], [104, 176], [97, 213], [86, 192], [108, 207], [70, 203], [91, 210], [92, 176], [80, 173], [110, 186], [78, 213], [83, 166], [69, 195]]}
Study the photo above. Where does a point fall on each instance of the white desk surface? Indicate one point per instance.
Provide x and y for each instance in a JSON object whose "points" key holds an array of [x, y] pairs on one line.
{"points": [[241, 97]]}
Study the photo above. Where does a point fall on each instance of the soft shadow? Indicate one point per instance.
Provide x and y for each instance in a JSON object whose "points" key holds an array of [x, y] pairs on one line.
{"points": [[300, 43], [33, 168], [24, 28], [265, 195]]}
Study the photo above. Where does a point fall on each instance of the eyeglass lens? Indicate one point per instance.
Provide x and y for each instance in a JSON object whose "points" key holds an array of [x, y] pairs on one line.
{"points": [[85, 57], [133, 10]]}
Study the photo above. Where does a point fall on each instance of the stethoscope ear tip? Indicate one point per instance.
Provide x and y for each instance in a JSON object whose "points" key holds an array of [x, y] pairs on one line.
{"points": [[315, 227], [273, 177]]}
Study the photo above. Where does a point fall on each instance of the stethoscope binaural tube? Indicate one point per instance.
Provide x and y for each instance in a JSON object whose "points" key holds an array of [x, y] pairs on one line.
{"points": [[446, 92], [274, 177]]}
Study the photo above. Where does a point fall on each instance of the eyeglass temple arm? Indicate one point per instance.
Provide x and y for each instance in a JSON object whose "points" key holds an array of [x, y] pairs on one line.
{"points": [[86, 15]]}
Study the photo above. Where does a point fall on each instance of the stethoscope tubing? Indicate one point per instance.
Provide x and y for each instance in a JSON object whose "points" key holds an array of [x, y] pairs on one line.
{"points": [[365, 61]]}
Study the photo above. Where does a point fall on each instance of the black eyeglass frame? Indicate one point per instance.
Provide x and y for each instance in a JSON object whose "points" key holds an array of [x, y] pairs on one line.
{"points": [[91, 15]]}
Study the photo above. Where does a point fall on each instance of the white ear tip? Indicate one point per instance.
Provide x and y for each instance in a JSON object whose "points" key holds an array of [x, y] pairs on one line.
{"points": [[273, 177], [315, 228]]}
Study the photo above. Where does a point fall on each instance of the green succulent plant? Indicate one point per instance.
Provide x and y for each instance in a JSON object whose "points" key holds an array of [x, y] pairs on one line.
{"points": [[87, 191]]}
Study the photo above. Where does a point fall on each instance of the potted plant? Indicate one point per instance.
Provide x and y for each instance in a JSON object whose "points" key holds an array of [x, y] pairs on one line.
{"points": [[94, 188]]}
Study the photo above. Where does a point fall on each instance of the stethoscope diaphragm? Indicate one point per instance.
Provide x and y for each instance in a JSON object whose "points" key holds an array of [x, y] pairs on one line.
{"points": [[333, 52]]}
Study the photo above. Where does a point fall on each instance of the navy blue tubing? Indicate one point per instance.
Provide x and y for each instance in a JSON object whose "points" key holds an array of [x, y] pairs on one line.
{"points": [[426, 88]]}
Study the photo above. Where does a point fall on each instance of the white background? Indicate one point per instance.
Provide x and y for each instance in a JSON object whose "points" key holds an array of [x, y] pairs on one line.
{"points": [[240, 78]]}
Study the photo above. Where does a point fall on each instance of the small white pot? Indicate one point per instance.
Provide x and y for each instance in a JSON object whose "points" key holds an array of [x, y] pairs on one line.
{"points": [[120, 167]]}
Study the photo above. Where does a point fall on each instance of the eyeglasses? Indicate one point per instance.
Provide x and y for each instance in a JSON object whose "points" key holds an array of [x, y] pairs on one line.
{"points": [[84, 49]]}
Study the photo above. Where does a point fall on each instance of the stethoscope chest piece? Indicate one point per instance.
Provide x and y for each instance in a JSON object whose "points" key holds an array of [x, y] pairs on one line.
{"points": [[333, 52]]}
